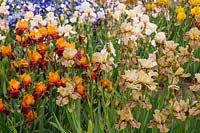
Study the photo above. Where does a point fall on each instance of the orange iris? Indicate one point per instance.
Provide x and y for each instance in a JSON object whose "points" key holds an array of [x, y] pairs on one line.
{"points": [[2, 107], [63, 81], [20, 39], [61, 43], [43, 31], [81, 90], [31, 115], [40, 87], [28, 100], [22, 25], [34, 56], [78, 80], [54, 77], [6, 50], [35, 35], [42, 48], [26, 78], [52, 30], [23, 63], [14, 85], [105, 83]]}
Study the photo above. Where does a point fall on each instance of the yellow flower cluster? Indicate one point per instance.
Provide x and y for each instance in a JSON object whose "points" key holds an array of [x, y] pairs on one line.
{"points": [[180, 14], [194, 2], [150, 6], [195, 12], [163, 2]]}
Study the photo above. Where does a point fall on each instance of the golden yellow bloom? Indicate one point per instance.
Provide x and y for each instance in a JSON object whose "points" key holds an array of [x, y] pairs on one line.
{"points": [[180, 9], [71, 45], [14, 65], [195, 11], [194, 2], [83, 61], [151, 6], [163, 2], [181, 16], [62, 44]]}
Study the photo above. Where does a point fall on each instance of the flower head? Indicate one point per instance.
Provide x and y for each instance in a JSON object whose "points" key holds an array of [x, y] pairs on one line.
{"points": [[160, 120], [181, 16], [24, 63], [52, 30], [28, 100], [160, 37], [69, 53], [126, 117], [40, 88], [6, 51], [34, 56], [42, 48], [3, 108], [53, 77], [4, 10], [31, 115], [26, 78], [81, 90], [66, 93], [21, 26], [194, 2], [15, 87], [180, 109], [14, 84]]}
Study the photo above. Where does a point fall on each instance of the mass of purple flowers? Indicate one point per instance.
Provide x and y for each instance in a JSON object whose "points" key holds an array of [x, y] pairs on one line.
{"points": [[17, 8]]}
